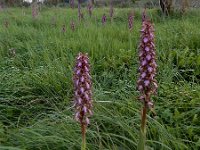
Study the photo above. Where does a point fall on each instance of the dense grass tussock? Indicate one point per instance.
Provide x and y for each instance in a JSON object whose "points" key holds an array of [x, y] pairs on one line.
{"points": [[36, 86]]}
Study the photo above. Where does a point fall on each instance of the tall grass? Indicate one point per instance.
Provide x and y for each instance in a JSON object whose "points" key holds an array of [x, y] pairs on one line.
{"points": [[36, 87]]}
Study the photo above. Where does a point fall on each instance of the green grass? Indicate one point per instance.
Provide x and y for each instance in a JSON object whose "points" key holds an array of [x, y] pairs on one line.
{"points": [[36, 89]]}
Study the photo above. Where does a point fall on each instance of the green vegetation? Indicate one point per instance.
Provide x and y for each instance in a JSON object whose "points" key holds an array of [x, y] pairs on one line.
{"points": [[36, 91]]}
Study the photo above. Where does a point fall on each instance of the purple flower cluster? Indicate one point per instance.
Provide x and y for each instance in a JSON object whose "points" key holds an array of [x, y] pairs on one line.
{"points": [[130, 21], [147, 84], [103, 20], [82, 85]]}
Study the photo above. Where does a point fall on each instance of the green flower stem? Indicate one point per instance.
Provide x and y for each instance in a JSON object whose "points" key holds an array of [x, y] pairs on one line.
{"points": [[144, 117], [142, 140], [83, 128]]}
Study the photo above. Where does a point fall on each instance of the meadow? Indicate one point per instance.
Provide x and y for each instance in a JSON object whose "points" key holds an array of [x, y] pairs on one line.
{"points": [[36, 89]]}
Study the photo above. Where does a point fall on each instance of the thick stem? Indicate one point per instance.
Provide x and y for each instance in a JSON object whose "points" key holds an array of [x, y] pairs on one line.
{"points": [[142, 140], [144, 117], [83, 130]]}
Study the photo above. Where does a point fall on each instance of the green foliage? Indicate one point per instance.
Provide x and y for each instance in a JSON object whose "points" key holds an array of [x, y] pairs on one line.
{"points": [[36, 85]]}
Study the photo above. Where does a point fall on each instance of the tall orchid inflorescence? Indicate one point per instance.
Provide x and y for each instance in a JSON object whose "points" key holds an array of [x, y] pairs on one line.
{"points": [[103, 20], [83, 93], [130, 21], [147, 85]]}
